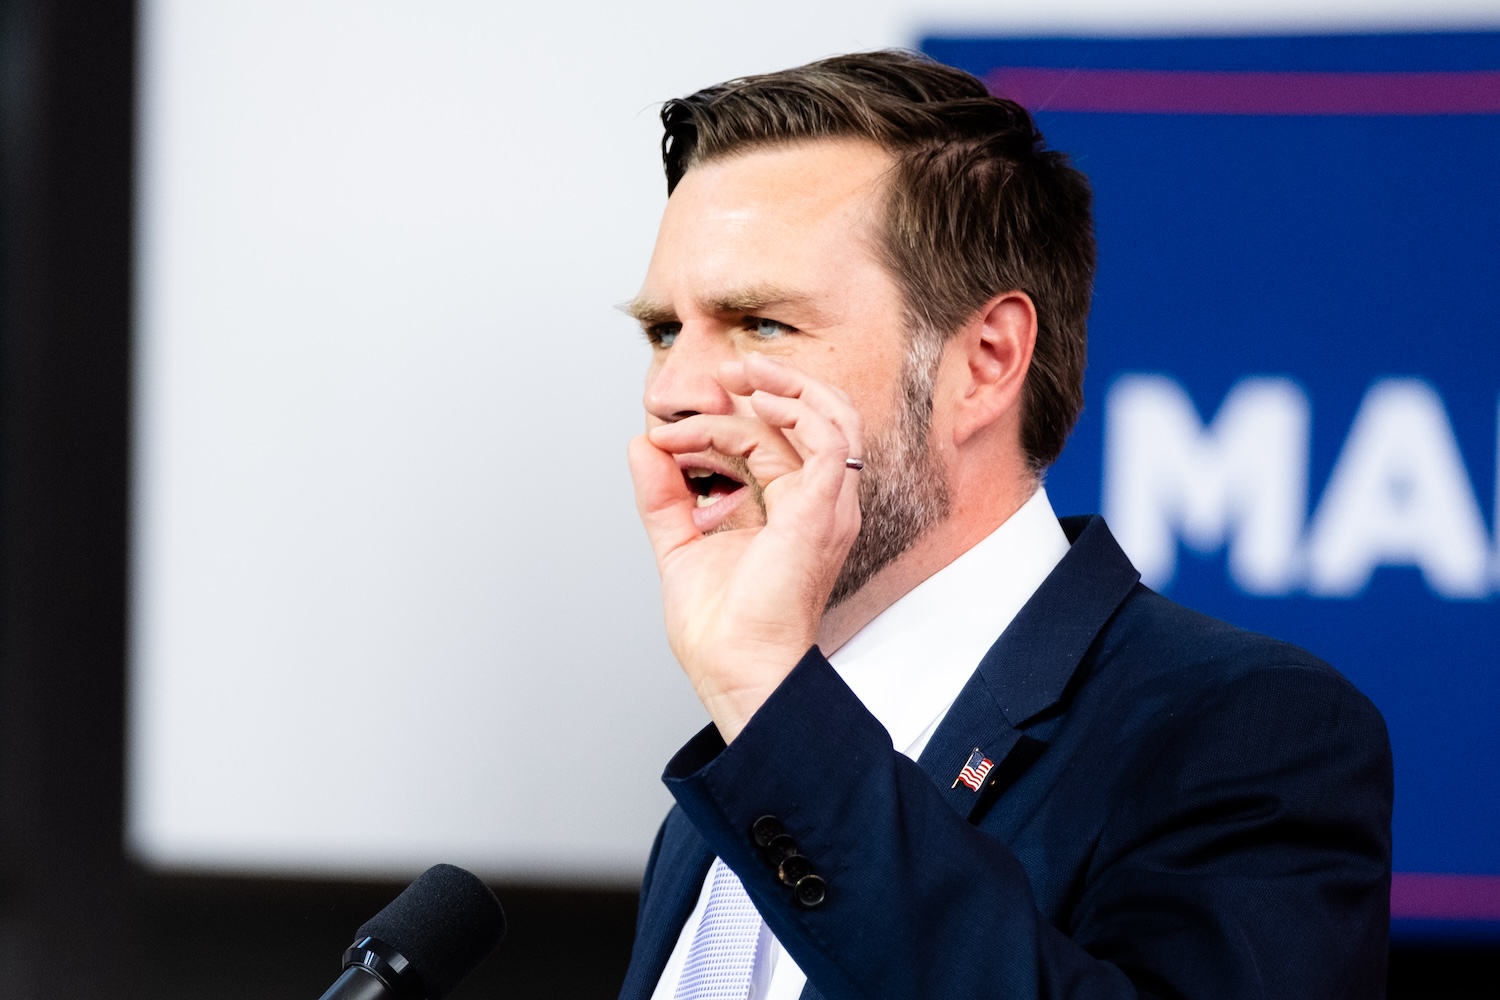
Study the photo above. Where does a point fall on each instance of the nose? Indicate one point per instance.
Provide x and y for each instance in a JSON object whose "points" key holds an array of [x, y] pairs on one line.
{"points": [[682, 380]]}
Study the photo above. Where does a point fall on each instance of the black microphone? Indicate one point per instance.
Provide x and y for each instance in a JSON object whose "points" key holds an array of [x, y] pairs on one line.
{"points": [[428, 939]]}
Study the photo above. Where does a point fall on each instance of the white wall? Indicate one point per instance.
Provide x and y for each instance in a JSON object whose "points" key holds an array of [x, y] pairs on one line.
{"points": [[391, 603]]}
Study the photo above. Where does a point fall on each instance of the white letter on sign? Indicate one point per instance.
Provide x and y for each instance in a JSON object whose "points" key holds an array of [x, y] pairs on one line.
{"points": [[1399, 496], [1242, 480]]}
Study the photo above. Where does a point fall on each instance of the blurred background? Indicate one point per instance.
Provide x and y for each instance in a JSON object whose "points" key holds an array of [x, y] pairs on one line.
{"points": [[318, 562]]}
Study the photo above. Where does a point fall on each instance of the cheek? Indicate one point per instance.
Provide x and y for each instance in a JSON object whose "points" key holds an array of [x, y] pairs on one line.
{"points": [[875, 387]]}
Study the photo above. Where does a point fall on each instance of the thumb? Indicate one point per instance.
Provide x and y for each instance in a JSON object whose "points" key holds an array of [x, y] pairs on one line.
{"points": [[662, 497]]}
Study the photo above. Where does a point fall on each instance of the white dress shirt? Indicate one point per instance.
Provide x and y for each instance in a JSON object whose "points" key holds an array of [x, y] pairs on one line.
{"points": [[908, 666]]}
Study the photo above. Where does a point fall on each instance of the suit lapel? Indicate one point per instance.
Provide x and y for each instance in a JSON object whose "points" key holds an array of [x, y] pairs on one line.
{"points": [[1024, 673], [676, 880], [1028, 668], [975, 722]]}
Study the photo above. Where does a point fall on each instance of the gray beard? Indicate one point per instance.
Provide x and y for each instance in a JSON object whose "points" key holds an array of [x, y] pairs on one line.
{"points": [[902, 489]]}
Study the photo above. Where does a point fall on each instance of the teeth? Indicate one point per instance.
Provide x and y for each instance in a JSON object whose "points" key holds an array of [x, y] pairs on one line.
{"points": [[707, 501], [699, 473]]}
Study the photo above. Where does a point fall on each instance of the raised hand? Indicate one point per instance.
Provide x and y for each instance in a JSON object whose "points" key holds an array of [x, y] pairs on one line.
{"points": [[743, 604]]}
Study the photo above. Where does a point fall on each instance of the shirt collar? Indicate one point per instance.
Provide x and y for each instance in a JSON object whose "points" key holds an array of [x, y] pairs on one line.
{"points": [[910, 662]]}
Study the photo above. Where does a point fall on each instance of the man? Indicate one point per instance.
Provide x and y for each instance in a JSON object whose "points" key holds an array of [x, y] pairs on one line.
{"points": [[956, 749]]}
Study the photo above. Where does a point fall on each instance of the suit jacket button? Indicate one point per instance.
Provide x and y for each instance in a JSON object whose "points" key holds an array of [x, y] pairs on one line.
{"points": [[781, 848], [793, 869], [811, 891], [765, 830]]}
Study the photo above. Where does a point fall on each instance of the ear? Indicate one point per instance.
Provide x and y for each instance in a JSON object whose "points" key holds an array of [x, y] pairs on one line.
{"points": [[995, 349]]}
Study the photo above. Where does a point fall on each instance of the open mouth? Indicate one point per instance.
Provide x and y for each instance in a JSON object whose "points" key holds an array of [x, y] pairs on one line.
{"points": [[710, 486]]}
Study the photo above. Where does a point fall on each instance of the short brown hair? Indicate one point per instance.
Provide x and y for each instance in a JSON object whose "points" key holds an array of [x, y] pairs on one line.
{"points": [[978, 205]]}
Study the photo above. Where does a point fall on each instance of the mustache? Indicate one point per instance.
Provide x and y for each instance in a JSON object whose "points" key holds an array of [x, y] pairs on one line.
{"points": [[739, 468]]}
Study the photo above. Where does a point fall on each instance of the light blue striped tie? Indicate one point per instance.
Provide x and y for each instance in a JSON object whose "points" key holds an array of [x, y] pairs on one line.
{"points": [[721, 960]]}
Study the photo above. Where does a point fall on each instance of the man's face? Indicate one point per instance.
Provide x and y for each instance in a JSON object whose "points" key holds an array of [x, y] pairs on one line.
{"points": [[773, 252]]}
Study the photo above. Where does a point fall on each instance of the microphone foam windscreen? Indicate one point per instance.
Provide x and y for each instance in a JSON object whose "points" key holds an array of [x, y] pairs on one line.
{"points": [[444, 923]]}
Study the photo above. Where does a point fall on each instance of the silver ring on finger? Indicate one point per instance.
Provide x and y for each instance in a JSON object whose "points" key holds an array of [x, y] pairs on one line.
{"points": [[854, 463]]}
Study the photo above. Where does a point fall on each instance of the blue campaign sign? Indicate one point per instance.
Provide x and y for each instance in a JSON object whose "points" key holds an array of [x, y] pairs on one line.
{"points": [[1293, 397]]}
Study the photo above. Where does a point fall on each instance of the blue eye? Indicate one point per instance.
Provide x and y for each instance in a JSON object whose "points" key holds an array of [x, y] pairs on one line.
{"points": [[766, 329], [663, 334]]}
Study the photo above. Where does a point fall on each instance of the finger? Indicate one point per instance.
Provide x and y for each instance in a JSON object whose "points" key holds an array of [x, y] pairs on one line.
{"points": [[764, 448], [733, 378], [768, 375], [662, 497], [758, 371], [820, 444], [821, 423], [811, 433]]}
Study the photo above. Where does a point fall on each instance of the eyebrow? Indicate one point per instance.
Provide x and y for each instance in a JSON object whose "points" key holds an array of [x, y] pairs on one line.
{"points": [[649, 312], [753, 299]]}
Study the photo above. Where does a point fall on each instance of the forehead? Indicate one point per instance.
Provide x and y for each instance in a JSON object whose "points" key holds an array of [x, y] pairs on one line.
{"points": [[802, 215]]}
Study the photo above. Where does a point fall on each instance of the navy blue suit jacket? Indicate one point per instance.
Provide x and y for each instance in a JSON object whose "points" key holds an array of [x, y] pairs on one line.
{"points": [[1178, 809]]}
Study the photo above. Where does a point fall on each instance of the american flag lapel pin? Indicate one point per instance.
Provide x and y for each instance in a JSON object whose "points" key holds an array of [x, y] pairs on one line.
{"points": [[974, 771]]}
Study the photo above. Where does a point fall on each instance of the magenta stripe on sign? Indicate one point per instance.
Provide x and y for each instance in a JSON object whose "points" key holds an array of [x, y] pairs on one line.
{"points": [[1420, 896], [1143, 91]]}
